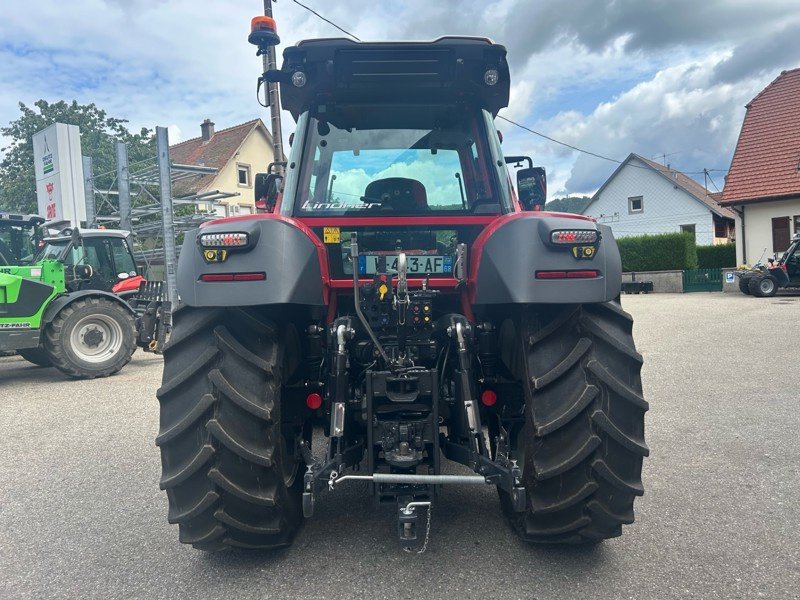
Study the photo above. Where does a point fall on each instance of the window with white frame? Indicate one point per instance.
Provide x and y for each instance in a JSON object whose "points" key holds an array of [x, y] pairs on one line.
{"points": [[635, 204], [243, 175]]}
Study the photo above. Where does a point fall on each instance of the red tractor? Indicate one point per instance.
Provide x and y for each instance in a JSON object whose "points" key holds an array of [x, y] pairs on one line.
{"points": [[779, 273], [405, 303]]}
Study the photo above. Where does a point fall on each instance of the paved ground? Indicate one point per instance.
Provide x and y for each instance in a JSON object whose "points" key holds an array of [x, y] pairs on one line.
{"points": [[81, 514]]}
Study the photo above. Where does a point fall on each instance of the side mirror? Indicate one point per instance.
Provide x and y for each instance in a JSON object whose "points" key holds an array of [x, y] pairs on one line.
{"points": [[267, 186], [83, 271], [532, 188]]}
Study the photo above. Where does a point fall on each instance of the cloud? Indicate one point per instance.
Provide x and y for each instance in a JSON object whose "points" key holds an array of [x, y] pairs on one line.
{"points": [[782, 49], [679, 112], [611, 75]]}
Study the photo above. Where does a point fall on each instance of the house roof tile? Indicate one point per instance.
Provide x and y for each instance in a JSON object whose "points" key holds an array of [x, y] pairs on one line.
{"points": [[766, 163]]}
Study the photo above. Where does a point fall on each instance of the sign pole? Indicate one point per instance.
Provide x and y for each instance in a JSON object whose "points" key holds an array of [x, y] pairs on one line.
{"points": [[123, 187], [88, 190], [167, 216]]}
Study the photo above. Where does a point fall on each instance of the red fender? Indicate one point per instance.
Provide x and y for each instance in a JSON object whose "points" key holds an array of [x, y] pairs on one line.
{"points": [[131, 284]]}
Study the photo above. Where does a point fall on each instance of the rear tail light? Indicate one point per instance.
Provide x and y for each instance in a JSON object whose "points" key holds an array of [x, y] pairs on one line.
{"points": [[489, 397], [574, 236], [217, 277], [249, 276], [590, 274], [223, 240]]}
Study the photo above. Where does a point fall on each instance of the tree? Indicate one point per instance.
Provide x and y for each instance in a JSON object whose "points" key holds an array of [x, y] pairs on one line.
{"points": [[98, 134], [569, 204]]}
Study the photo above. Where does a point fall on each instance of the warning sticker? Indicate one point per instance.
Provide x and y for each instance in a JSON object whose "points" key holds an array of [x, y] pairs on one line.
{"points": [[331, 235]]}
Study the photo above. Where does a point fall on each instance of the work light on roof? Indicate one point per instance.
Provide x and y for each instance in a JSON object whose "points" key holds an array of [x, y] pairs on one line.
{"points": [[491, 77], [298, 79]]}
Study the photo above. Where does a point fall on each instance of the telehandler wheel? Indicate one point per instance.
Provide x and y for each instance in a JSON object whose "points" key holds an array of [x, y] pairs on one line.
{"points": [[90, 337], [37, 356], [763, 287], [231, 472], [744, 286], [582, 442]]}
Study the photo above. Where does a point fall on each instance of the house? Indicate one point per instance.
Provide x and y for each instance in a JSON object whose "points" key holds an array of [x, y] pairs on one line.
{"points": [[763, 184], [238, 152], [642, 196]]}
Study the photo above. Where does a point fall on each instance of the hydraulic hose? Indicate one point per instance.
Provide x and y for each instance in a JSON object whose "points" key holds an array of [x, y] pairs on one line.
{"points": [[357, 300]]}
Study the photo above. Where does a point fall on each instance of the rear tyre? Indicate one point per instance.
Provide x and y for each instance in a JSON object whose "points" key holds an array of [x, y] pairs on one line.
{"points": [[91, 337], [581, 445], [744, 286], [763, 287], [229, 469], [37, 356]]}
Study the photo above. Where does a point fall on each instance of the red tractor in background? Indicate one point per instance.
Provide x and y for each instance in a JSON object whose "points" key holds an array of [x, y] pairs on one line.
{"points": [[404, 302], [779, 273]]}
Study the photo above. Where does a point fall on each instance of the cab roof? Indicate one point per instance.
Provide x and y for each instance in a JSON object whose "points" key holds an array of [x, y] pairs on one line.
{"points": [[89, 233], [447, 70], [20, 219]]}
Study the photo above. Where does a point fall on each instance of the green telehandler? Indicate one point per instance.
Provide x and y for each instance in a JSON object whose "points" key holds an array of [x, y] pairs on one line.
{"points": [[63, 310]]}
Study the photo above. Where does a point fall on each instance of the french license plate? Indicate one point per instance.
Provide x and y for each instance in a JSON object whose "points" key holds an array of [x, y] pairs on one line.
{"points": [[421, 264]]}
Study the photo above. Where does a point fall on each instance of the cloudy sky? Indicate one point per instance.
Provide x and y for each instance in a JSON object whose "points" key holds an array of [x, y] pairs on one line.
{"points": [[653, 77]]}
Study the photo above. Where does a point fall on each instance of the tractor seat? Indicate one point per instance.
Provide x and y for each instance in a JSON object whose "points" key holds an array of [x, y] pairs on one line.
{"points": [[398, 194]]}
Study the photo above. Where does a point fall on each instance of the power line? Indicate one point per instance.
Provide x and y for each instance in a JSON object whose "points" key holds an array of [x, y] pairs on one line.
{"points": [[590, 153], [327, 20], [711, 180], [547, 137]]}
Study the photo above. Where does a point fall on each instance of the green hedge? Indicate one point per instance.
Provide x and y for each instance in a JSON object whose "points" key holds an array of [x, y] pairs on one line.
{"points": [[663, 252], [716, 257]]}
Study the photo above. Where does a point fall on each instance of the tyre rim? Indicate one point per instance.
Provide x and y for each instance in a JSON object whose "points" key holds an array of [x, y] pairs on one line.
{"points": [[96, 338], [766, 286], [290, 460]]}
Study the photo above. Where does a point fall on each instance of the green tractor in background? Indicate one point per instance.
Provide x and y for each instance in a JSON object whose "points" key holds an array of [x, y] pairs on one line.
{"points": [[75, 301]]}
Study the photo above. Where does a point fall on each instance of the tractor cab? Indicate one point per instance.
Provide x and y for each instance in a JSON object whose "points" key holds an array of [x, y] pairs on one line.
{"points": [[94, 259], [20, 236]]}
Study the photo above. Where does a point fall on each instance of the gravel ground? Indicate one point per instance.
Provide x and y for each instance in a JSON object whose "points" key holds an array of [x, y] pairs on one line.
{"points": [[81, 514]]}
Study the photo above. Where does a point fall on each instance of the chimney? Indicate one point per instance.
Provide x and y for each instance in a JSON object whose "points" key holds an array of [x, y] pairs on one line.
{"points": [[207, 130]]}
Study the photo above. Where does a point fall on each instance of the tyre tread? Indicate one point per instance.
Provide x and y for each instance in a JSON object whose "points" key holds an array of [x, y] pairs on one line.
{"points": [[584, 444], [219, 429]]}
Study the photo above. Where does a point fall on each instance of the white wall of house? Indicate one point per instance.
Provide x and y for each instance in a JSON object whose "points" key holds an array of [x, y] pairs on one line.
{"points": [[665, 207], [253, 157], [758, 227]]}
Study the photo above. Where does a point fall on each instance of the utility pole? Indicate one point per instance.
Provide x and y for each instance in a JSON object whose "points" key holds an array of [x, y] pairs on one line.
{"points": [[272, 95]]}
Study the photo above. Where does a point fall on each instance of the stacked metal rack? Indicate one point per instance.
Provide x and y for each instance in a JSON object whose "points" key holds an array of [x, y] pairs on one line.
{"points": [[137, 204]]}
